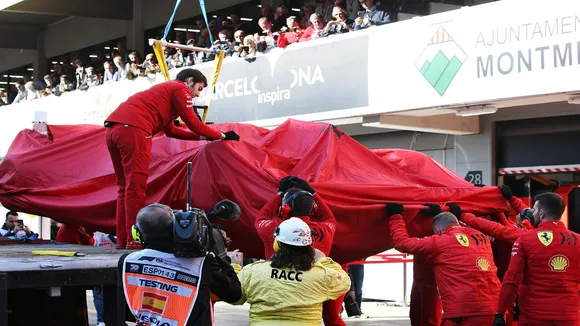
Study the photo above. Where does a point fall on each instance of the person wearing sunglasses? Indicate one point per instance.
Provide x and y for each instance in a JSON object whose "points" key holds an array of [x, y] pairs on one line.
{"points": [[129, 133]]}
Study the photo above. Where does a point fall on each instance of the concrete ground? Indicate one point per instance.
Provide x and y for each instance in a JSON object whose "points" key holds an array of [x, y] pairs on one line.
{"points": [[377, 314]]}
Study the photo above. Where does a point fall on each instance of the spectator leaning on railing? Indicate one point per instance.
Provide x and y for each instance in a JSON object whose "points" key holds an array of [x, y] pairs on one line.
{"points": [[109, 74], [372, 16], [239, 39], [3, 98], [21, 96], [316, 29], [225, 42], [31, 92], [250, 47], [64, 86], [121, 68], [266, 40], [341, 23]]}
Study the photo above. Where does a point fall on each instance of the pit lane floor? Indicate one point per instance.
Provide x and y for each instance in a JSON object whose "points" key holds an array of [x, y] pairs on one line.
{"points": [[378, 314]]}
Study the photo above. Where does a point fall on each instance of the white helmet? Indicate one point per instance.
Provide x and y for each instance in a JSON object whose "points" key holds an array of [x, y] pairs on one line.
{"points": [[294, 232]]}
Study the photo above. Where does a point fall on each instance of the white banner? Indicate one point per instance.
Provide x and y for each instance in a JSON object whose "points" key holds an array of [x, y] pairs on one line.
{"points": [[79, 107], [500, 50]]}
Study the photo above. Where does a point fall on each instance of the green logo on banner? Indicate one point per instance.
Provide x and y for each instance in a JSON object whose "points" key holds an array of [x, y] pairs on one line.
{"points": [[440, 61]]}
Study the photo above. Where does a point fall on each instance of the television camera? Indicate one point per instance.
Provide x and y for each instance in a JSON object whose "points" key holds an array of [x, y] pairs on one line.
{"points": [[193, 233]]}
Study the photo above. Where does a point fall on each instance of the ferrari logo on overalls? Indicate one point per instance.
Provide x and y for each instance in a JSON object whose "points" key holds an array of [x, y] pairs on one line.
{"points": [[462, 239], [545, 237]]}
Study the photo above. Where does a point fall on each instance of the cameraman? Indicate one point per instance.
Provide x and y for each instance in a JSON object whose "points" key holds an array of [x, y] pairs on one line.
{"points": [[161, 288]]}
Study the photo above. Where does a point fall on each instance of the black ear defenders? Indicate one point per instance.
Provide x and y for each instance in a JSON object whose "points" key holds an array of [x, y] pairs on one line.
{"points": [[136, 233], [287, 207]]}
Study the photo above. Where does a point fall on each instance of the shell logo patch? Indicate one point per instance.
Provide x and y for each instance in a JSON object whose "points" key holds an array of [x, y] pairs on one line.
{"points": [[462, 239], [483, 264], [559, 263], [546, 237]]}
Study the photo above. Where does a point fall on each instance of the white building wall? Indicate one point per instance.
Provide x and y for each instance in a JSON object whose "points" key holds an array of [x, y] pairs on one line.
{"points": [[467, 153]]}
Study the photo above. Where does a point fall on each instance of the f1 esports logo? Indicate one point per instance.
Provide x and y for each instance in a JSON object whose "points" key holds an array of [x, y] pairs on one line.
{"points": [[441, 60]]}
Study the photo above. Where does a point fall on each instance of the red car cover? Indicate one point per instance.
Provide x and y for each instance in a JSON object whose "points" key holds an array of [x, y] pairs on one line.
{"points": [[69, 177]]}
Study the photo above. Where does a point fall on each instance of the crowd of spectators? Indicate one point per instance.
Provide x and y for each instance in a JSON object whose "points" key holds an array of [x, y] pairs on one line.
{"points": [[274, 29], [78, 76]]}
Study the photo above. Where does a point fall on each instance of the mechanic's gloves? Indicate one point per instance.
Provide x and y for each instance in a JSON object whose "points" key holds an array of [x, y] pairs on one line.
{"points": [[498, 321], [285, 184], [294, 182], [506, 191], [528, 221], [231, 135], [433, 209], [527, 213], [394, 209], [303, 184], [454, 209]]}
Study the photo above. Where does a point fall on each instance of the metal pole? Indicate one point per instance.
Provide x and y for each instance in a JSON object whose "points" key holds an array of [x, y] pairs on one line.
{"points": [[188, 207], [405, 282], [181, 46]]}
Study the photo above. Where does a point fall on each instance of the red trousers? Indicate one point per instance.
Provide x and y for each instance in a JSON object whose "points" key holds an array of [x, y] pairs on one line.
{"points": [[74, 234], [331, 312], [425, 305], [130, 150], [469, 321]]}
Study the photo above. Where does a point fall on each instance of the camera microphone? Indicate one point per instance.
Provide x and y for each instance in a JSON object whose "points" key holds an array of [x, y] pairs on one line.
{"points": [[226, 210]]}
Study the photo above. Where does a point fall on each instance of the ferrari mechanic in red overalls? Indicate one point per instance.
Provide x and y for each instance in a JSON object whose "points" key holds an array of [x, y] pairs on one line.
{"points": [[321, 221], [130, 129]]}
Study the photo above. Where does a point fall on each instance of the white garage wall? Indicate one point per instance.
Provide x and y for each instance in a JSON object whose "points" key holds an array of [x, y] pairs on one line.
{"points": [[437, 146], [466, 153], [476, 152]]}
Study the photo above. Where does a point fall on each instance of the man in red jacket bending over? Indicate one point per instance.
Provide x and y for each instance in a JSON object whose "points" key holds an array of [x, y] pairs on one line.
{"points": [[464, 270], [130, 129], [297, 199]]}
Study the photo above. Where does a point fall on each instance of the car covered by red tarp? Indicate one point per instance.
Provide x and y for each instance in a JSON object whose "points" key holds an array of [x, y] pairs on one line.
{"points": [[69, 177]]}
